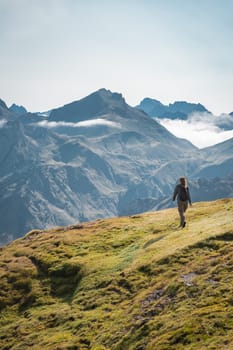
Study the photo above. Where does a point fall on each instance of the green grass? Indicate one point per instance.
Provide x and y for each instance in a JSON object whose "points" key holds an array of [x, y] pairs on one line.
{"points": [[132, 283]]}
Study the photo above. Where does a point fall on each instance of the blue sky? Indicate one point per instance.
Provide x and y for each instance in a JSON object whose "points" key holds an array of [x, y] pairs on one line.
{"points": [[57, 51]]}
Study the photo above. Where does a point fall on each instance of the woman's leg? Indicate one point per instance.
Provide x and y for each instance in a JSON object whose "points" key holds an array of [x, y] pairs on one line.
{"points": [[182, 206]]}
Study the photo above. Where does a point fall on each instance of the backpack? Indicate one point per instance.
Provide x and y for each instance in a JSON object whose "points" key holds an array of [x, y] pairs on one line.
{"points": [[183, 194]]}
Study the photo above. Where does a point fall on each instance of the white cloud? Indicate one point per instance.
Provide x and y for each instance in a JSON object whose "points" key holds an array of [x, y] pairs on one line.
{"points": [[2, 123], [202, 129], [86, 123]]}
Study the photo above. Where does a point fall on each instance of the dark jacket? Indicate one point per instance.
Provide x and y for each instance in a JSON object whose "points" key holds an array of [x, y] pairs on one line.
{"points": [[182, 194]]}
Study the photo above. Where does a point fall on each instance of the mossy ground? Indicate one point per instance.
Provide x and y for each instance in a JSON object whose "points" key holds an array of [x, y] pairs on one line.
{"points": [[129, 283]]}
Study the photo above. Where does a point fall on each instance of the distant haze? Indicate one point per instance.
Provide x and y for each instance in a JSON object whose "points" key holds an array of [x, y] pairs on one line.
{"points": [[57, 51]]}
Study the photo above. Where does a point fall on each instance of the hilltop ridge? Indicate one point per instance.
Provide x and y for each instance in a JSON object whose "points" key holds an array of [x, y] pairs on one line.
{"points": [[135, 282]]}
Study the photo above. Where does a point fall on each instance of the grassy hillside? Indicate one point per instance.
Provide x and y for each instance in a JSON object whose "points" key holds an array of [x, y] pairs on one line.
{"points": [[129, 283]]}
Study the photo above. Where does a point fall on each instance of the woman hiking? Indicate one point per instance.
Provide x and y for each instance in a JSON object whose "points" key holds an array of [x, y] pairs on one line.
{"points": [[183, 198]]}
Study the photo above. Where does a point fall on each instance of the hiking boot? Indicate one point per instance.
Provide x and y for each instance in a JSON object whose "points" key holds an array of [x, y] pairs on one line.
{"points": [[184, 224]]}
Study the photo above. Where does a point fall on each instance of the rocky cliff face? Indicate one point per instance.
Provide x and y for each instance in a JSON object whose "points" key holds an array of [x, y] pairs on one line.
{"points": [[20, 110]]}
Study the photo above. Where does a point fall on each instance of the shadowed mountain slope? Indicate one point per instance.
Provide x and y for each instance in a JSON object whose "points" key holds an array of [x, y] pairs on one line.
{"points": [[130, 283], [219, 160]]}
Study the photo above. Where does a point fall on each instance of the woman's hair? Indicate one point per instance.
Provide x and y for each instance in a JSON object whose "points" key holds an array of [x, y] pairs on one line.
{"points": [[183, 181]]}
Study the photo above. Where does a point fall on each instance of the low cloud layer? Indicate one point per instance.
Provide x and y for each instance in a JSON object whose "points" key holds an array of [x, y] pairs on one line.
{"points": [[202, 129], [86, 123]]}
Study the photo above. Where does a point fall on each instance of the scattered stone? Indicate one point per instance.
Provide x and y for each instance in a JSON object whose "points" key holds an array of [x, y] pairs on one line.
{"points": [[151, 297], [188, 278]]}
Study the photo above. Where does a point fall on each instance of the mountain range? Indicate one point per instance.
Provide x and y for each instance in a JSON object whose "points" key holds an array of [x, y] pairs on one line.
{"points": [[178, 109], [94, 158], [183, 110]]}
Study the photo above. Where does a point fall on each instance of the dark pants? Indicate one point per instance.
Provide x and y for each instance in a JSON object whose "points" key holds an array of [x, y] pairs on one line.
{"points": [[182, 207]]}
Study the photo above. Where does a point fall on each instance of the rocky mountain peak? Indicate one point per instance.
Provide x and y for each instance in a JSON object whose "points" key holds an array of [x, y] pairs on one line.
{"points": [[150, 100], [108, 95], [186, 107], [95, 104], [178, 109], [19, 110], [3, 104], [151, 106]]}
